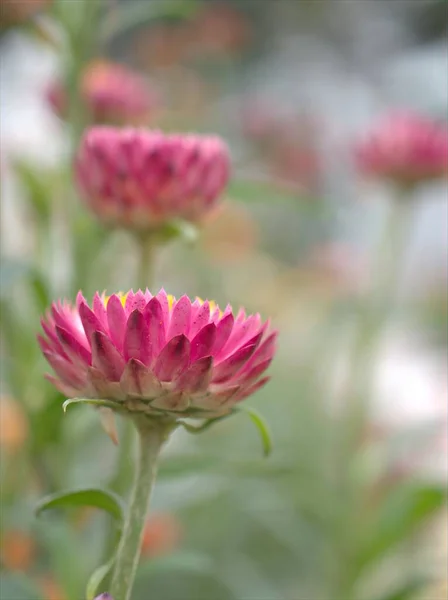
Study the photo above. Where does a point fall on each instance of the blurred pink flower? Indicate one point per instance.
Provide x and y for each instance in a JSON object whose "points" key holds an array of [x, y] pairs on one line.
{"points": [[112, 94], [155, 353], [404, 148], [141, 179]]}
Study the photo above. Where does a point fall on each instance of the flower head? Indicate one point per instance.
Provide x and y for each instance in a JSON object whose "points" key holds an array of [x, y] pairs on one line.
{"points": [[111, 94], [406, 149], [142, 179], [156, 354]]}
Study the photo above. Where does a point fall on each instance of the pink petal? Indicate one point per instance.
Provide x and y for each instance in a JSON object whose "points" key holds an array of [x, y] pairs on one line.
{"points": [[223, 331], [231, 365], [65, 370], [173, 359], [265, 351], [240, 334], [116, 320], [100, 310], [73, 348], [245, 393], [163, 299], [52, 338], [154, 316], [90, 322], [135, 301], [67, 390], [106, 357], [199, 318], [203, 343], [44, 345], [137, 343], [180, 318], [137, 380], [197, 377], [248, 375]]}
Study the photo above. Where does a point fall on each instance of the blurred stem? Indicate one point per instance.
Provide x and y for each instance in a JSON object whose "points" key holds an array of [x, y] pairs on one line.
{"points": [[373, 314], [146, 244], [374, 310], [151, 436]]}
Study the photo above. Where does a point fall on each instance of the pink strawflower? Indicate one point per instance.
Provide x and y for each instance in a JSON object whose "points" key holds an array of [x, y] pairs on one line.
{"points": [[156, 354], [141, 179], [111, 93], [406, 149]]}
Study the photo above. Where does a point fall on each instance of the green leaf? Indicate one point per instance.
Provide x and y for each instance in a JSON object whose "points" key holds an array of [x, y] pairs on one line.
{"points": [[404, 509], [96, 579], [36, 186], [92, 401], [261, 425], [95, 497]]}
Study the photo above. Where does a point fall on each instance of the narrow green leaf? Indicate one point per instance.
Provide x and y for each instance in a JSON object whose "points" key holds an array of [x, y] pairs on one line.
{"points": [[92, 401], [96, 579], [95, 497], [195, 429], [407, 591], [261, 425], [403, 510]]}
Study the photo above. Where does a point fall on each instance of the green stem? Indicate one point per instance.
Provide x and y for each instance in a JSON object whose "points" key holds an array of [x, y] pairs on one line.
{"points": [[145, 273], [151, 436], [373, 315]]}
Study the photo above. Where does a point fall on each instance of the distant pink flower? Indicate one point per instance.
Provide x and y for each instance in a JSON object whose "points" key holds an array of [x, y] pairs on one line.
{"points": [[141, 179], [156, 354], [111, 93], [406, 149]]}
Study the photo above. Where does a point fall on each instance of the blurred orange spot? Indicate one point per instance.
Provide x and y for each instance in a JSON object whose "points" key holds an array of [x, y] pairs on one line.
{"points": [[17, 550], [221, 28], [162, 535], [13, 424], [231, 235], [51, 589]]}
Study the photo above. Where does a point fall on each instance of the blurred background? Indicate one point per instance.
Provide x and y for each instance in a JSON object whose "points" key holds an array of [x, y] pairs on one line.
{"points": [[351, 505]]}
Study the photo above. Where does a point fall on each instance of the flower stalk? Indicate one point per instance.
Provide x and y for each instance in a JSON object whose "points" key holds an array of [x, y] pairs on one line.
{"points": [[151, 436], [145, 273]]}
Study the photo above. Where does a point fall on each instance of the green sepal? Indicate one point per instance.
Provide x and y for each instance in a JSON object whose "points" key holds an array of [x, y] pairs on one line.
{"points": [[97, 578], [261, 424], [92, 401], [95, 497]]}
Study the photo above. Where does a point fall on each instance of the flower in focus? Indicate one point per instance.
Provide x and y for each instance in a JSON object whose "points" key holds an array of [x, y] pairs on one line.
{"points": [[18, 550], [161, 535], [156, 354], [112, 94], [13, 425], [406, 149], [142, 179], [104, 596]]}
